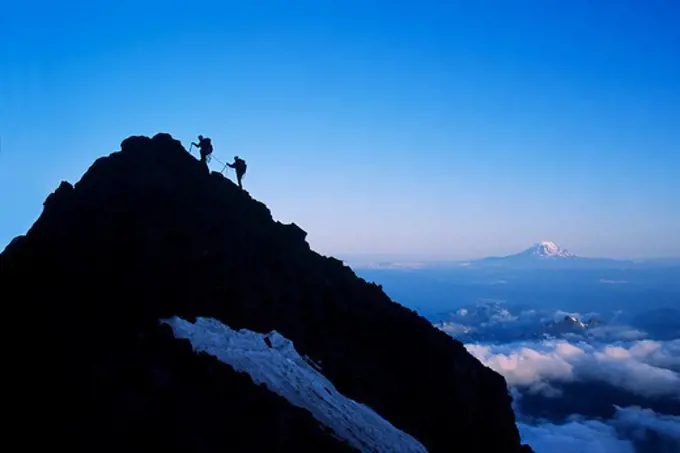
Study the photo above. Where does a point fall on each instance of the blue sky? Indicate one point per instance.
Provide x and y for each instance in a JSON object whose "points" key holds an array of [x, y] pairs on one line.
{"points": [[427, 129]]}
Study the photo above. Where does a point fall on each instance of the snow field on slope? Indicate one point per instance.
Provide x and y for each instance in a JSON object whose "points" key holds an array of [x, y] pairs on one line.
{"points": [[286, 373]]}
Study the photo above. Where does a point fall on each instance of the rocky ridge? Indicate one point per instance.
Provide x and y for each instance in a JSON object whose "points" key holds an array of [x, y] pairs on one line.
{"points": [[147, 234]]}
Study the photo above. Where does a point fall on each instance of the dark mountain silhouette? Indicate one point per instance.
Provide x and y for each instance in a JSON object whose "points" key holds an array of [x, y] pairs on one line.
{"points": [[147, 234]]}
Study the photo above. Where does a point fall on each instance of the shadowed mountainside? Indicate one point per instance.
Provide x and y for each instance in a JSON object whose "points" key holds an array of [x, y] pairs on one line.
{"points": [[147, 234]]}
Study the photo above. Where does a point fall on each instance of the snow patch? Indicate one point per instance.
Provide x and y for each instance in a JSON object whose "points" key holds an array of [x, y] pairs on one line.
{"points": [[288, 374], [550, 249]]}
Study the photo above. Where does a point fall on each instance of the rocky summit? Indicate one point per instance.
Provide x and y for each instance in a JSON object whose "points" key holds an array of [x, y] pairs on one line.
{"points": [[148, 234]]}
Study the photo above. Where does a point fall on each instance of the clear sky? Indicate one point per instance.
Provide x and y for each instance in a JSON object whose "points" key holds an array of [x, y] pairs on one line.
{"points": [[424, 128]]}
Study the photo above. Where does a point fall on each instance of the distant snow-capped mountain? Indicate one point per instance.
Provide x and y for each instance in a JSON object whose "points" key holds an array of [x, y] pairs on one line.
{"points": [[539, 251], [545, 254]]}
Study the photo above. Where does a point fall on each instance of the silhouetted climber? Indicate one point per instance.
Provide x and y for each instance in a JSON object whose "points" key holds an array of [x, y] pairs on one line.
{"points": [[205, 145], [240, 166]]}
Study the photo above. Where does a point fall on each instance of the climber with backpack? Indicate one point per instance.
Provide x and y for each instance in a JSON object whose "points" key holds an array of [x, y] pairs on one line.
{"points": [[205, 146], [240, 166]]}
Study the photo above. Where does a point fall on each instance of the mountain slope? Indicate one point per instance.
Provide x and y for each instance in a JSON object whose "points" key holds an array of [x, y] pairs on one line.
{"points": [[546, 249], [147, 234]]}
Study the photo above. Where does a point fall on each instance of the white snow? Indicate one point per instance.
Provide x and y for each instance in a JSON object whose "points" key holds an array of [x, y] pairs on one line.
{"points": [[288, 374], [549, 249], [550, 246], [576, 321]]}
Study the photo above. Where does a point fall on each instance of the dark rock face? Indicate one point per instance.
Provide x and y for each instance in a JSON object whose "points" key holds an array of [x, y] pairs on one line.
{"points": [[148, 234]]}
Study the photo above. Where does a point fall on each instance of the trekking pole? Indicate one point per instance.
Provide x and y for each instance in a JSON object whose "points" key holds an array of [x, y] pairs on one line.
{"points": [[192, 145], [221, 163]]}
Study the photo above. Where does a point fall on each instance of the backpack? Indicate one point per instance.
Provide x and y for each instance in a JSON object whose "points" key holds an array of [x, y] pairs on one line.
{"points": [[241, 165], [206, 146]]}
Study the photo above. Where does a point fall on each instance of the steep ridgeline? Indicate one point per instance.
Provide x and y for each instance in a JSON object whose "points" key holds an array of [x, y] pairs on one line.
{"points": [[148, 243]]}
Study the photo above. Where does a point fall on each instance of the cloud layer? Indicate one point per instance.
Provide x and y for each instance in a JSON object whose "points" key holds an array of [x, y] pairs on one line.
{"points": [[632, 429], [647, 368], [581, 382], [551, 379]]}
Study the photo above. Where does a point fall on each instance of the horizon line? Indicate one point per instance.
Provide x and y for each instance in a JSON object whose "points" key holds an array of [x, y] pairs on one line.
{"points": [[377, 258]]}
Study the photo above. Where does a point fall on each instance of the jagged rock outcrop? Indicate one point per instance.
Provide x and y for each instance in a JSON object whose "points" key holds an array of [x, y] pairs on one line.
{"points": [[147, 234]]}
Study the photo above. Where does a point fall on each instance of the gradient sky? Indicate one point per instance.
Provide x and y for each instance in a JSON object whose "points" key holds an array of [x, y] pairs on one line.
{"points": [[424, 128]]}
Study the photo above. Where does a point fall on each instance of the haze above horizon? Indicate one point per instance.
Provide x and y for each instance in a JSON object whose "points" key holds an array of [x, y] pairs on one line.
{"points": [[412, 261], [423, 131]]}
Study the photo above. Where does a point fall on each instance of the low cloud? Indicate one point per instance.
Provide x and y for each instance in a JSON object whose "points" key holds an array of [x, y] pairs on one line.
{"points": [[554, 382], [646, 426], [632, 429], [617, 333], [647, 368], [613, 282], [497, 322], [589, 436]]}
